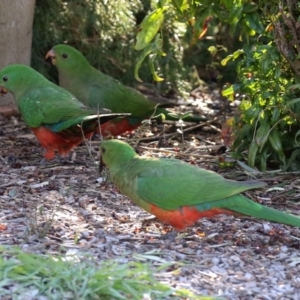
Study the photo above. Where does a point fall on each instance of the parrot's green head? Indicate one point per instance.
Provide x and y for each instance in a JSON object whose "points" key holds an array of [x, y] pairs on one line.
{"points": [[18, 79], [67, 59], [115, 153]]}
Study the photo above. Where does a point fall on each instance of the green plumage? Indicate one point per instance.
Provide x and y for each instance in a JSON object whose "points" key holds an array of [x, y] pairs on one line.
{"points": [[59, 121], [172, 184], [41, 101], [96, 89], [245, 206]]}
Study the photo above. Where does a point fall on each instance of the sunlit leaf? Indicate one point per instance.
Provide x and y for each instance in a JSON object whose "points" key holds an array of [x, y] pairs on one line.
{"points": [[235, 13], [213, 50], [152, 68], [228, 91], [141, 58], [181, 5], [237, 53], [253, 21], [226, 60], [149, 28]]}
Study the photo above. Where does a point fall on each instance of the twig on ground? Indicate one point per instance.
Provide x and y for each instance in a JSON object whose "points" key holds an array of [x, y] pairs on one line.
{"points": [[156, 137]]}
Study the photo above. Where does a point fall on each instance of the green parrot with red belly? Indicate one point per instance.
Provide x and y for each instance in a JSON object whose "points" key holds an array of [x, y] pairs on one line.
{"points": [[179, 193], [96, 89], [59, 121]]}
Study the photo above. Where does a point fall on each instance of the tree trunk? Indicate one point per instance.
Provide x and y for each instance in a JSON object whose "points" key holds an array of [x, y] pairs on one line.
{"points": [[16, 17]]}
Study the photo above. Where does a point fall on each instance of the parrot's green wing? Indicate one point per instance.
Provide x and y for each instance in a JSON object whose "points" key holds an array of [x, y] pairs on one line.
{"points": [[50, 105], [111, 94], [170, 183]]}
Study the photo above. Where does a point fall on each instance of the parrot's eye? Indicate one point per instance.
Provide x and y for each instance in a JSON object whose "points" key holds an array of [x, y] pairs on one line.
{"points": [[5, 78], [65, 55]]}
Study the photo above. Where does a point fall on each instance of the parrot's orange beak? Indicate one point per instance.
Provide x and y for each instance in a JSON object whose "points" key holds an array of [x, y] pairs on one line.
{"points": [[51, 56], [3, 91]]}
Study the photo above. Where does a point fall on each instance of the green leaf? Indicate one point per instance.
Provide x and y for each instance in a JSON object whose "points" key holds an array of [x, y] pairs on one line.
{"points": [[152, 69], [252, 153], [162, 3], [294, 86], [263, 160], [262, 134], [226, 60], [228, 91], [247, 168], [253, 21], [149, 28], [292, 159], [275, 115], [228, 3], [275, 141], [296, 136], [290, 103], [235, 13], [237, 53], [277, 71], [213, 50], [141, 58], [233, 56], [181, 5]]}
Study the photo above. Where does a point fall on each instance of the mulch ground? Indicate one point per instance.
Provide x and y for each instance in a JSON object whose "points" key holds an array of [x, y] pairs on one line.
{"points": [[64, 207]]}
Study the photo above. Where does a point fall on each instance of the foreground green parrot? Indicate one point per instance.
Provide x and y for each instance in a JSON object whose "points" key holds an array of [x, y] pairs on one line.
{"points": [[96, 89], [59, 121], [179, 193]]}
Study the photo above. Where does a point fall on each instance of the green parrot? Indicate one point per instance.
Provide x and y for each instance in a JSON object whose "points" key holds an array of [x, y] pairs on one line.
{"points": [[179, 193], [97, 89], [59, 121]]}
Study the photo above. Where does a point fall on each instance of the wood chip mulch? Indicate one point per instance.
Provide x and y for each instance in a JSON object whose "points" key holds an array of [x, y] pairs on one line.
{"points": [[57, 207]]}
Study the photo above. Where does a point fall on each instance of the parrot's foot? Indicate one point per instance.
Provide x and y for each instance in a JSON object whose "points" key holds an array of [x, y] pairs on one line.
{"points": [[64, 160], [69, 158]]}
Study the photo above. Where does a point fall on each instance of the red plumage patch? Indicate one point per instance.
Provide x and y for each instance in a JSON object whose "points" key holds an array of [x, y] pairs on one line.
{"points": [[185, 216], [52, 141], [116, 127]]}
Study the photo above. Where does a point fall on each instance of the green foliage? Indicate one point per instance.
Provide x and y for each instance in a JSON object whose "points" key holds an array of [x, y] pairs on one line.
{"points": [[267, 125], [102, 31], [105, 34], [72, 277], [261, 38], [266, 128], [195, 15]]}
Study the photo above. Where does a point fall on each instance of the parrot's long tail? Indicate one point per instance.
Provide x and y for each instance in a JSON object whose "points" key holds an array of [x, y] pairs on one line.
{"points": [[245, 206], [190, 118], [82, 123]]}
